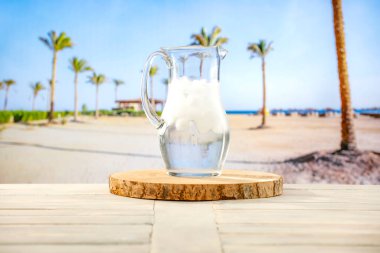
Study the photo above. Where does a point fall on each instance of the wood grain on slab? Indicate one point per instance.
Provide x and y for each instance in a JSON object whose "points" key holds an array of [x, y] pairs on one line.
{"points": [[232, 184]]}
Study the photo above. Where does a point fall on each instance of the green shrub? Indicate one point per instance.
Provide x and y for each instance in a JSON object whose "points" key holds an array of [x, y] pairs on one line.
{"points": [[32, 116], [136, 113], [28, 116], [6, 117]]}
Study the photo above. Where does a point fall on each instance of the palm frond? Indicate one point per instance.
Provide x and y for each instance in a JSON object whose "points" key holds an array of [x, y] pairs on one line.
{"points": [[212, 39], [9, 82], [260, 49], [269, 48], [165, 81], [214, 35], [37, 87], [220, 41], [204, 35], [46, 42], [199, 40], [97, 79], [118, 82], [63, 42], [79, 65], [153, 70]]}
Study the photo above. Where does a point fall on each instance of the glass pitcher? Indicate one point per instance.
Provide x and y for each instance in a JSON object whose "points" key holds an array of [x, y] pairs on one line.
{"points": [[193, 128]]}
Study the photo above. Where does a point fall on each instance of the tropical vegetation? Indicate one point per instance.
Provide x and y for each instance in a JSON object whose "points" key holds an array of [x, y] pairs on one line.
{"points": [[97, 80], [165, 81], [261, 49], [36, 88], [206, 40], [55, 43], [77, 66], [8, 83], [117, 83], [152, 72], [28, 116], [348, 141]]}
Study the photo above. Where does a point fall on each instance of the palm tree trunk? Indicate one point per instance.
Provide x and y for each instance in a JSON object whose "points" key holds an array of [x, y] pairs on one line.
{"points": [[97, 102], [116, 93], [201, 67], [167, 91], [6, 98], [347, 125], [151, 93], [183, 67], [34, 100], [263, 120], [52, 87], [76, 97]]}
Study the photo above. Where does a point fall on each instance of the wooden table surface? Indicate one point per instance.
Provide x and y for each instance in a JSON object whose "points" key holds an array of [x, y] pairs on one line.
{"points": [[87, 218]]}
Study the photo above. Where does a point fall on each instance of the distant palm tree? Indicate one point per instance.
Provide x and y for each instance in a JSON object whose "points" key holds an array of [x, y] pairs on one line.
{"points": [[261, 50], [117, 83], [56, 44], [78, 66], [1, 85], [183, 60], [348, 141], [205, 40], [97, 80], [8, 83], [36, 88], [165, 81], [152, 72]]}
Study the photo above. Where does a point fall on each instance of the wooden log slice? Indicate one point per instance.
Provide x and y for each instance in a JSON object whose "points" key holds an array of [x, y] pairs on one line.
{"points": [[232, 184]]}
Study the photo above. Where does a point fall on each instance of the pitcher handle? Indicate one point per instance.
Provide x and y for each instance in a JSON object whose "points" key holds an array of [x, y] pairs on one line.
{"points": [[147, 106]]}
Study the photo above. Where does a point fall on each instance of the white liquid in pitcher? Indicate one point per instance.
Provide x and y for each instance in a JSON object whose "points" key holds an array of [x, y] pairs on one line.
{"points": [[195, 137]]}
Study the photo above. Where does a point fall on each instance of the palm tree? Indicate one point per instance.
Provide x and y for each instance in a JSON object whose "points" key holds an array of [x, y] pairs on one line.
{"points": [[37, 87], [205, 40], [78, 66], [117, 83], [97, 80], [183, 60], [152, 72], [1, 85], [261, 50], [55, 43], [165, 81], [8, 83], [347, 123]]}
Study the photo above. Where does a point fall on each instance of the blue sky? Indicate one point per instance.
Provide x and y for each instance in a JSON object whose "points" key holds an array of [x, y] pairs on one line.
{"points": [[116, 36]]}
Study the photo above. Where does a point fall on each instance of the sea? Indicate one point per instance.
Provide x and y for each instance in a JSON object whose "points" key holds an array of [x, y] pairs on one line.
{"points": [[367, 111]]}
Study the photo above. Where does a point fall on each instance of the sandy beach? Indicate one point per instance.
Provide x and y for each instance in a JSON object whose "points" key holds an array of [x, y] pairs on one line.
{"points": [[88, 152]]}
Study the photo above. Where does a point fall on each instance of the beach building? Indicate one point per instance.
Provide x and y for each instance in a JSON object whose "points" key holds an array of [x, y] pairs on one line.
{"points": [[134, 104]]}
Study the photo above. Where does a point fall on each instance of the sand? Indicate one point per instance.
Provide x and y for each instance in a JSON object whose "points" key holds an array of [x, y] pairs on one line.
{"points": [[88, 152]]}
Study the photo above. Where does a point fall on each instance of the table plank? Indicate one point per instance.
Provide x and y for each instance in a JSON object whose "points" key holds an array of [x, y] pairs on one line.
{"points": [[76, 220], [306, 218], [87, 218], [185, 227], [299, 249], [80, 234], [64, 248]]}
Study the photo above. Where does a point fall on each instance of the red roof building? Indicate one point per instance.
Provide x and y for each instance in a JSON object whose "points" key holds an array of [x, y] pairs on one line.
{"points": [[135, 104]]}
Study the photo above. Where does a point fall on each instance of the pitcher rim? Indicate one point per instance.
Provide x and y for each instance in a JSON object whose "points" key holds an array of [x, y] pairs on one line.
{"points": [[188, 47]]}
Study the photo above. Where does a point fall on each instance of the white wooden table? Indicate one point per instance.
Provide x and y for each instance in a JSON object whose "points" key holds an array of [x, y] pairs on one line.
{"points": [[86, 218]]}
